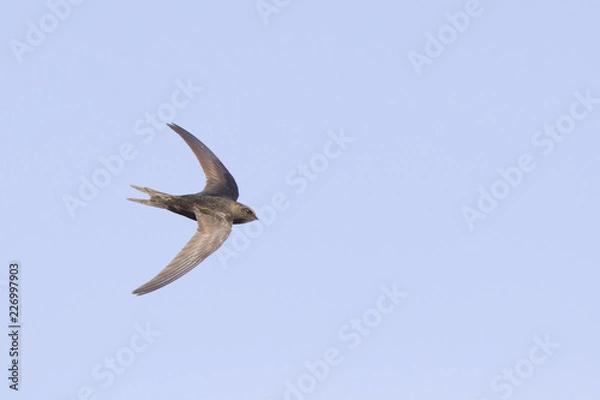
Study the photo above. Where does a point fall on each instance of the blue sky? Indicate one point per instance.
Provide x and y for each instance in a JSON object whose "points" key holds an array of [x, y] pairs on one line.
{"points": [[425, 174]]}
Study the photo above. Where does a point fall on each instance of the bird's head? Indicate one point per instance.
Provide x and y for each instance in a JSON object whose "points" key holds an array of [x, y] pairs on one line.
{"points": [[243, 214]]}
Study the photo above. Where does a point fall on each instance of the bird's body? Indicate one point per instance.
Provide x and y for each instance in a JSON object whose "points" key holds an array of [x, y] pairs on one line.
{"points": [[189, 204], [215, 209]]}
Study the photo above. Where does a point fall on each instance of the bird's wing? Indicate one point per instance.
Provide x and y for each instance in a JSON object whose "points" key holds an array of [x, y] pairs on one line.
{"points": [[219, 182], [212, 232]]}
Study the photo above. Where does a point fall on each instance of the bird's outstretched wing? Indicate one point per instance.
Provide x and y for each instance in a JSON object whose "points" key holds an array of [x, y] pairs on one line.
{"points": [[219, 182], [212, 232]]}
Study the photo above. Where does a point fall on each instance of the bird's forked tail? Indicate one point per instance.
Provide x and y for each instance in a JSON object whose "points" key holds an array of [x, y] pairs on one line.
{"points": [[157, 199]]}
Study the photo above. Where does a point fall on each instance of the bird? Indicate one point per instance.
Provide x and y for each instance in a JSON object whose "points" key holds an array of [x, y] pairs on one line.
{"points": [[215, 209]]}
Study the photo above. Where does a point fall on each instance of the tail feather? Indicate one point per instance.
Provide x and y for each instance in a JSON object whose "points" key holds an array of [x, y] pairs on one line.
{"points": [[155, 200]]}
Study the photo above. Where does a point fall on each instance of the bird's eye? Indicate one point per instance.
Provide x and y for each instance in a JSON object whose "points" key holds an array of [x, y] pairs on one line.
{"points": [[249, 211]]}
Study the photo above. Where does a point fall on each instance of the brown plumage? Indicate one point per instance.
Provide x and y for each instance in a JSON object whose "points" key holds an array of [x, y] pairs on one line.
{"points": [[215, 208]]}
